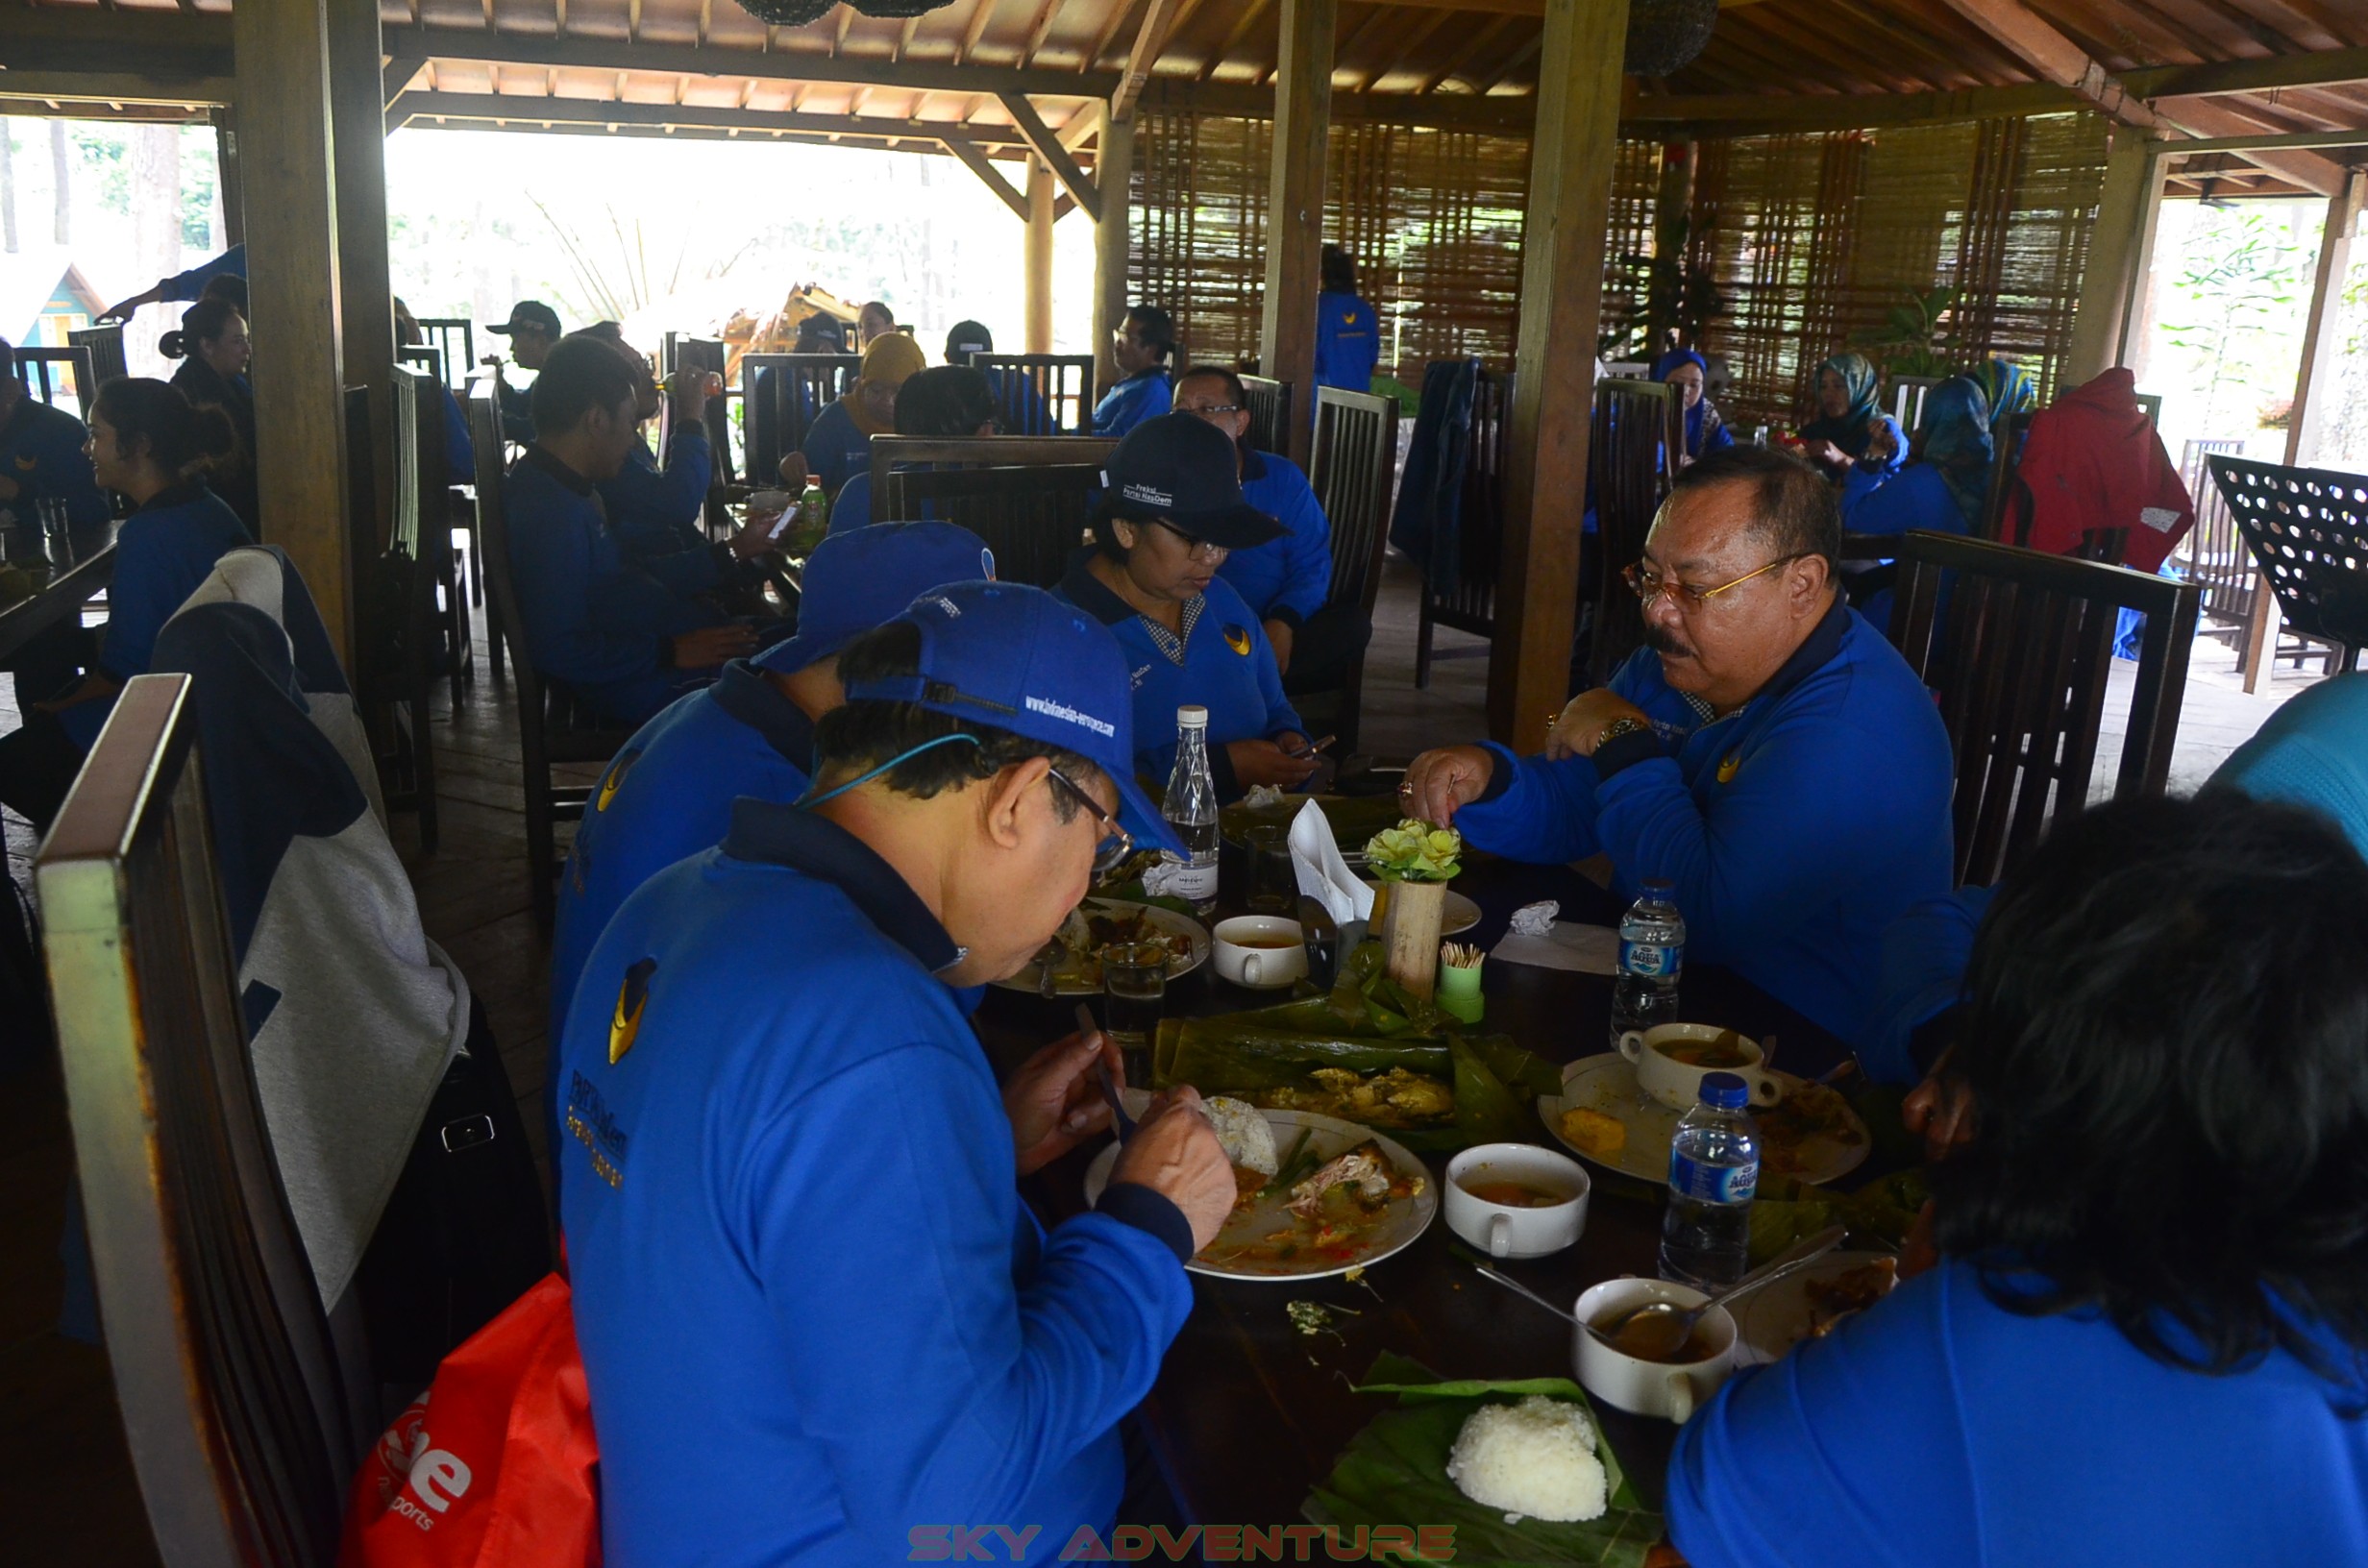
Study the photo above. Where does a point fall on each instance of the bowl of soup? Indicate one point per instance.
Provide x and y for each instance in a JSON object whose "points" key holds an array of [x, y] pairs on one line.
{"points": [[1515, 1200], [1669, 1384], [1671, 1058]]}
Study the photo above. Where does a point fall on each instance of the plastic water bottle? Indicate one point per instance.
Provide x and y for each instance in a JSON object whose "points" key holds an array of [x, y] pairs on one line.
{"points": [[1191, 809], [1652, 950], [1714, 1171]]}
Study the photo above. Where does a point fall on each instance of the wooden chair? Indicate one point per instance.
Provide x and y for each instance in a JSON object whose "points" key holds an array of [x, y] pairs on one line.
{"points": [[2019, 658], [1270, 412], [53, 375], [455, 340], [2308, 531], [552, 727], [1639, 431], [1028, 498], [421, 356], [1353, 470], [2213, 556], [485, 383], [1999, 513], [781, 393], [105, 346], [1459, 586], [2152, 402], [704, 353], [1908, 399], [243, 1417], [1040, 394], [425, 592]]}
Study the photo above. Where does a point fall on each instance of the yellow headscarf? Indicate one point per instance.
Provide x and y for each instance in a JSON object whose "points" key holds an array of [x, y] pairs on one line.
{"points": [[893, 359]]}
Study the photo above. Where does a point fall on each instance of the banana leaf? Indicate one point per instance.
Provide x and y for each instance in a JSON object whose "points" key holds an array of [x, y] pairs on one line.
{"points": [[1878, 1214], [1354, 817], [1394, 1472]]}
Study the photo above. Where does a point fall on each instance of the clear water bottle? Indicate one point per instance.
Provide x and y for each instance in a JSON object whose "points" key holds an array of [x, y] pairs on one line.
{"points": [[1714, 1171], [1191, 809], [1652, 950]]}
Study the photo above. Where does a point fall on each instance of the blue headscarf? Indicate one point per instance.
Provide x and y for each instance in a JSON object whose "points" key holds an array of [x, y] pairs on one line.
{"points": [[1702, 419], [1849, 432], [1957, 441], [2009, 389]]}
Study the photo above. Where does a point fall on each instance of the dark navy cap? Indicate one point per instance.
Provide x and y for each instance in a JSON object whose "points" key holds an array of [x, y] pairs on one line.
{"points": [[967, 339], [530, 313], [1006, 654], [1181, 469], [857, 579]]}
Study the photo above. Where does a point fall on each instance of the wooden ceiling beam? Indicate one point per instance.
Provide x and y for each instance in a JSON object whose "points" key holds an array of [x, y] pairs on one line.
{"points": [[123, 89], [1839, 112], [1413, 40], [399, 73], [1047, 146], [1119, 11], [1479, 39], [2331, 68], [1234, 35], [2206, 117], [981, 15], [1817, 34], [1159, 24], [511, 106], [968, 150], [1521, 57], [2034, 41], [1043, 30]]}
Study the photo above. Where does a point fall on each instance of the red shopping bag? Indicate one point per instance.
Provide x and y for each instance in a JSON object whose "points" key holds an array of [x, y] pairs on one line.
{"points": [[492, 1467]]}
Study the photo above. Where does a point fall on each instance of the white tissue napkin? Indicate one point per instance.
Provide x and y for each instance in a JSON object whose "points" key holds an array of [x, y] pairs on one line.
{"points": [[1322, 873], [1563, 944], [1536, 920]]}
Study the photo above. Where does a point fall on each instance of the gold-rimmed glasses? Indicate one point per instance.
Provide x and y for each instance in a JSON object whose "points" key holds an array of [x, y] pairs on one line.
{"points": [[1649, 585]]}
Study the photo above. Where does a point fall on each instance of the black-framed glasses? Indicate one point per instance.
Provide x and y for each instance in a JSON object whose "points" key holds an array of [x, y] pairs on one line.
{"points": [[1116, 844], [1206, 409], [1195, 546], [1649, 585]]}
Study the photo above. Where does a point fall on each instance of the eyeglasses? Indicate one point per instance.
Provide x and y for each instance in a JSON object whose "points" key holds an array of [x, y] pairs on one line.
{"points": [[1206, 409], [1116, 843], [1649, 585], [1198, 549]]}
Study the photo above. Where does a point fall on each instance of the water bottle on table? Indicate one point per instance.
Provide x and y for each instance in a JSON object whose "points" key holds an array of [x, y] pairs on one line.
{"points": [[1714, 1172], [1191, 809], [1652, 950]]}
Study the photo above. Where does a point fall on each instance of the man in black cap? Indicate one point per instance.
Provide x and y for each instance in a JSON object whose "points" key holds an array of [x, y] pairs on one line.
{"points": [[1018, 407], [533, 329]]}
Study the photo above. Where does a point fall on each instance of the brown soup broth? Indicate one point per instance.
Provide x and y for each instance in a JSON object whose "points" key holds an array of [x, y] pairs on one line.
{"points": [[1709, 1055], [1264, 943], [1641, 1340], [1513, 1194]]}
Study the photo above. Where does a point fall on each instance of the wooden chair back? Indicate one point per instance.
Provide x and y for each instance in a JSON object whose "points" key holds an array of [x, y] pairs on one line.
{"points": [[2001, 517], [2018, 648], [1270, 412], [2213, 553], [421, 547], [421, 356], [1908, 399], [105, 346], [455, 340], [1040, 394], [243, 1421], [54, 375], [1353, 470], [2307, 528], [1638, 429], [1459, 587], [781, 393], [1029, 499]]}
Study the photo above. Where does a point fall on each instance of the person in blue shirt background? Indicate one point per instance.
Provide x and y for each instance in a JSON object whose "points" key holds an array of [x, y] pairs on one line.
{"points": [[1943, 490], [1173, 513], [2145, 1341], [949, 402], [668, 794], [152, 445], [1766, 751], [1837, 437], [813, 1312], [459, 446], [1140, 347], [534, 331], [184, 285], [626, 639], [838, 444], [1689, 372], [654, 510], [1019, 408], [1348, 332], [213, 349], [42, 456]]}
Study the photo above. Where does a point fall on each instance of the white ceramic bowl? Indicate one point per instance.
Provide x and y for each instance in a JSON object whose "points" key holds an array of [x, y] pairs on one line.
{"points": [[1669, 1390], [1500, 1229]]}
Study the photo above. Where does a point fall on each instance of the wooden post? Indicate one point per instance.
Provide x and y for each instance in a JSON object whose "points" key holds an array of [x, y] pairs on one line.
{"points": [[1113, 168], [2313, 381], [365, 289], [291, 231], [1294, 208], [225, 122], [2137, 294], [1038, 250], [2125, 210], [1561, 298]]}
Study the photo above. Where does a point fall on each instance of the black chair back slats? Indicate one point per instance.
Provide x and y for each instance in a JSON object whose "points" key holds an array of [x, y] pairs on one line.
{"points": [[2004, 516], [2019, 658], [1639, 432], [1270, 412], [455, 342], [56, 376], [105, 346], [709, 354], [243, 1420], [2307, 528], [1353, 470], [426, 595], [1907, 405], [1040, 394], [420, 357], [781, 393], [1028, 499], [1459, 586]]}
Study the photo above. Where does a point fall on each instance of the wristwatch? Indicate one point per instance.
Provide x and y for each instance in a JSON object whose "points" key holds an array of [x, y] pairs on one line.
{"points": [[1624, 725]]}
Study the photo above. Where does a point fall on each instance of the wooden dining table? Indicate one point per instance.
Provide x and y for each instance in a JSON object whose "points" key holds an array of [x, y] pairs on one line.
{"points": [[64, 594], [1249, 1412]]}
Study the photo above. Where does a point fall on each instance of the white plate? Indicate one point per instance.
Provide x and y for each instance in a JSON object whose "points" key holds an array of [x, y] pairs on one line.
{"points": [[1768, 1323], [1608, 1083], [1329, 1136], [1166, 921], [1457, 914]]}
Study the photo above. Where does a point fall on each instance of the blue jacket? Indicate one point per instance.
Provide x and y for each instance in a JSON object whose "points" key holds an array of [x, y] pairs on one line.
{"points": [[1898, 500], [1942, 1429], [41, 450], [835, 450], [1796, 828], [163, 552], [659, 511], [591, 621], [1289, 579], [1227, 666], [1144, 394], [1348, 344], [851, 508], [813, 1313], [189, 285], [459, 448], [1920, 970]]}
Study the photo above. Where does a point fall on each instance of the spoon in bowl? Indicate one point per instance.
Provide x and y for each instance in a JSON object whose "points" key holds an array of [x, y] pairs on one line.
{"points": [[1658, 1330]]}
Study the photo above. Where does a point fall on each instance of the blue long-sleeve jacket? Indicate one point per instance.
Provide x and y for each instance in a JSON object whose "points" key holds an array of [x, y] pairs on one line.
{"points": [[813, 1313], [163, 552], [459, 446], [657, 511], [1144, 394], [1285, 579], [1913, 497], [1227, 667], [1920, 968], [41, 451], [1796, 828], [1348, 344], [834, 449], [189, 285]]}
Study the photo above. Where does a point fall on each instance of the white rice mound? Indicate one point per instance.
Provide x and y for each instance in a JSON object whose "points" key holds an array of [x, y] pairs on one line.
{"points": [[1535, 1461], [1243, 1133]]}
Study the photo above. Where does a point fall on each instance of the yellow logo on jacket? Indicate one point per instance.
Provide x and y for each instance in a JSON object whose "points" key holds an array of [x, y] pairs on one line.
{"points": [[1237, 638], [615, 779], [28, 462], [1728, 765], [633, 1000]]}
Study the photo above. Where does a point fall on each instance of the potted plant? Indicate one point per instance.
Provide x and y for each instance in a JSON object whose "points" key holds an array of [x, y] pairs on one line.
{"points": [[1416, 861], [1909, 343]]}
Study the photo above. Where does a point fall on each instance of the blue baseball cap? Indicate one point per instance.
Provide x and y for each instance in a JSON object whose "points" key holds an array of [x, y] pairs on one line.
{"points": [[1183, 471], [857, 579], [1013, 656]]}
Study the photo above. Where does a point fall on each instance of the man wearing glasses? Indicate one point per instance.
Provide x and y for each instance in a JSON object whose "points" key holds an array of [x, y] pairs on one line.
{"points": [[1766, 750]]}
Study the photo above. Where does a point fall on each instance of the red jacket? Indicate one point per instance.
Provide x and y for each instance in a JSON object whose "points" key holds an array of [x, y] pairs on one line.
{"points": [[2092, 464]]}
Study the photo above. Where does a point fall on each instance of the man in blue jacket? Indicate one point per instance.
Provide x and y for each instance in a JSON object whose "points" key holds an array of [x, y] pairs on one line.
{"points": [[1348, 332], [1140, 348], [534, 331], [818, 1325], [42, 456], [656, 511], [1766, 751]]}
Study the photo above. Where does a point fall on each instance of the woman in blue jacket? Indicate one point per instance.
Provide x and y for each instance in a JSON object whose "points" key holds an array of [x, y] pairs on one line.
{"points": [[152, 445], [1347, 331], [1141, 348], [1845, 412], [1689, 372], [213, 349]]}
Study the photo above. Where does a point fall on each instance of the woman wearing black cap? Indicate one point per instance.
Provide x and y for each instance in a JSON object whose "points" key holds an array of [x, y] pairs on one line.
{"points": [[1172, 514]]}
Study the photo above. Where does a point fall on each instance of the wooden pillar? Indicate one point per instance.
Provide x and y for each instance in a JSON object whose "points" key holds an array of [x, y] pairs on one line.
{"points": [[1113, 169], [1294, 208], [2124, 211], [2314, 382], [1038, 249], [225, 124], [1561, 298], [365, 291], [2138, 291], [291, 233]]}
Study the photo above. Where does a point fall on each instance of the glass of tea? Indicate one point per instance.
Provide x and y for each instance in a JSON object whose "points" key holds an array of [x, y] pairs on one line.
{"points": [[1134, 986], [1273, 885]]}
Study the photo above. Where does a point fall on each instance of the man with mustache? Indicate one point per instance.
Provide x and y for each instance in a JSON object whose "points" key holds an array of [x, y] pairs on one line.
{"points": [[1767, 751]]}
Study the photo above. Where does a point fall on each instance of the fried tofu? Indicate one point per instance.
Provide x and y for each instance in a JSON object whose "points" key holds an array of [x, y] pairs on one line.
{"points": [[1593, 1134]]}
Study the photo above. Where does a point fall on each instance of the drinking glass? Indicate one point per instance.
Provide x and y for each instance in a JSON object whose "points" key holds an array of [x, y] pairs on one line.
{"points": [[57, 535], [1274, 883], [1134, 983]]}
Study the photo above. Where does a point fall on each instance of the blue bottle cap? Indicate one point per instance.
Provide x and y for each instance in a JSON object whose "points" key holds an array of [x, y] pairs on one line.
{"points": [[1725, 1091]]}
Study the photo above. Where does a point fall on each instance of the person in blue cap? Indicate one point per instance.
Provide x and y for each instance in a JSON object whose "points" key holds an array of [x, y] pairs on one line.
{"points": [[1140, 347], [1172, 515], [534, 331], [815, 1316], [668, 794], [42, 455]]}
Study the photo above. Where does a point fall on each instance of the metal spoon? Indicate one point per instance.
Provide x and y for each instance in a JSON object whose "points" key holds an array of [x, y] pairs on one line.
{"points": [[1664, 1326], [1510, 1283]]}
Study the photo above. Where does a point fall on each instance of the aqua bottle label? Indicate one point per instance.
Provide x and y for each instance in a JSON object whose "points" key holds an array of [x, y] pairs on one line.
{"points": [[1651, 959], [1690, 1177]]}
